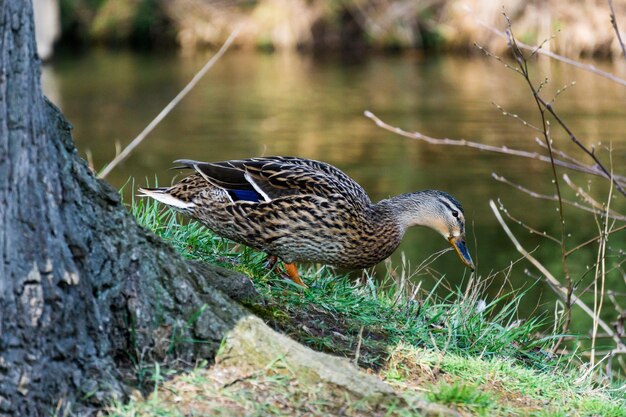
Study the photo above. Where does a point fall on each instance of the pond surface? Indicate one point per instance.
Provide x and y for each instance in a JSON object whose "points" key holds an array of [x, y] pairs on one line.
{"points": [[253, 104]]}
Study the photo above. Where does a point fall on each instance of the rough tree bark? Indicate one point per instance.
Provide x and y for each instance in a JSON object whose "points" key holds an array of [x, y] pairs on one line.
{"points": [[83, 289]]}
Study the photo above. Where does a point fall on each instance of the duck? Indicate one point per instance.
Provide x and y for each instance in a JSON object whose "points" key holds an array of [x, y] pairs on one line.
{"points": [[303, 210]]}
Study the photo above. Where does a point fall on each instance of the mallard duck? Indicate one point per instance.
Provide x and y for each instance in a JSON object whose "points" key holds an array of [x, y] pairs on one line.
{"points": [[299, 210]]}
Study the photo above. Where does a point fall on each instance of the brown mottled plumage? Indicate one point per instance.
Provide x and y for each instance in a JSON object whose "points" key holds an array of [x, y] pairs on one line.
{"points": [[304, 210]]}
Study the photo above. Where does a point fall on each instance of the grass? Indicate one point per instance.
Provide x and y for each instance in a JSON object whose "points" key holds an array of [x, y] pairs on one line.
{"points": [[467, 397], [500, 386], [462, 353]]}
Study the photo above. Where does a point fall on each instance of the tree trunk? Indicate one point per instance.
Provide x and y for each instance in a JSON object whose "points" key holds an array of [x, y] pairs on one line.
{"points": [[83, 289]]}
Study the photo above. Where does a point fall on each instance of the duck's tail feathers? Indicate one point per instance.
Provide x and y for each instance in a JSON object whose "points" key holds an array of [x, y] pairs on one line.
{"points": [[162, 195]]}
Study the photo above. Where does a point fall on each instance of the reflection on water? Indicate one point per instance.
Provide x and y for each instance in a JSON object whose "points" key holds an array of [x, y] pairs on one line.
{"points": [[256, 104]]}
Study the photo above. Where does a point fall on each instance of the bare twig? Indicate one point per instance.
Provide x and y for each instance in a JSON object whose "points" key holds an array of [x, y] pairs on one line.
{"points": [[553, 197], [525, 226], [561, 90], [135, 142], [544, 106], [614, 23], [585, 67], [587, 169], [593, 239], [600, 273], [589, 152], [496, 57], [522, 63], [550, 279], [589, 199], [516, 117], [558, 152]]}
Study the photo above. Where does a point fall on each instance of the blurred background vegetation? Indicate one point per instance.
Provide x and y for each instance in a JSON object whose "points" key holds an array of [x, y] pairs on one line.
{"points": [[336, 24]]}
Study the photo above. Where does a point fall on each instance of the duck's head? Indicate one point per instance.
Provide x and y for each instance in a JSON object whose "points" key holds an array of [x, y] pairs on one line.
{"points": [[442, 213]]}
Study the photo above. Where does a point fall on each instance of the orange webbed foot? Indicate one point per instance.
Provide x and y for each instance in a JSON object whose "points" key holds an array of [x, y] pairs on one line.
{"points": [[292, 272]]}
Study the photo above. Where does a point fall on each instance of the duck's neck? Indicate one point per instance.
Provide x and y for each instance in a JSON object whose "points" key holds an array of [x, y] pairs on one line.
{"points": [[381, 229], [405, 210]]}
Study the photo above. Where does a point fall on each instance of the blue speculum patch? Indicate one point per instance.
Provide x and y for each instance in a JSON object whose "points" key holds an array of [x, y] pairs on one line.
{"points": [[245, 195]]}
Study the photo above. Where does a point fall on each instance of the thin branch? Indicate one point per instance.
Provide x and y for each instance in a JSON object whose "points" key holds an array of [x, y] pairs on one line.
{"points": [[585, 67], [550, 279], [600, 270], [523, 66], [496, 57], [539, 47], [558, 152], [525, 226], [543, 106], [516, 117], [585, 196], [587, 169], [594, 239], [135, 142], [574, 139], [561, 90], [614, 23]]}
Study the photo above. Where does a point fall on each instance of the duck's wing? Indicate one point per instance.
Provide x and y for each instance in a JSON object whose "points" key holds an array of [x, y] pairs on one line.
{"points": [[268, 178]]}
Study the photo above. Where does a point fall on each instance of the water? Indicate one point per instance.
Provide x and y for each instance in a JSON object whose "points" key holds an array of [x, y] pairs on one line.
{"points": [[261, 104]]}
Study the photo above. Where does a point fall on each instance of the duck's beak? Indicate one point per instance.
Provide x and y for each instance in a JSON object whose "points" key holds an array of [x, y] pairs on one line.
{"points": [[458, 242]]}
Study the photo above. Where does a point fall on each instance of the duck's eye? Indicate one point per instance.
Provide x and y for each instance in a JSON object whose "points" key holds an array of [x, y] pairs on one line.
{"points": [[455, 214]]}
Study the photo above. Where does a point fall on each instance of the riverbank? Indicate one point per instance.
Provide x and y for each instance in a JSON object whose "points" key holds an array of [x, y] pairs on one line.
{"points": [[464, 354], [574, 30]]}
